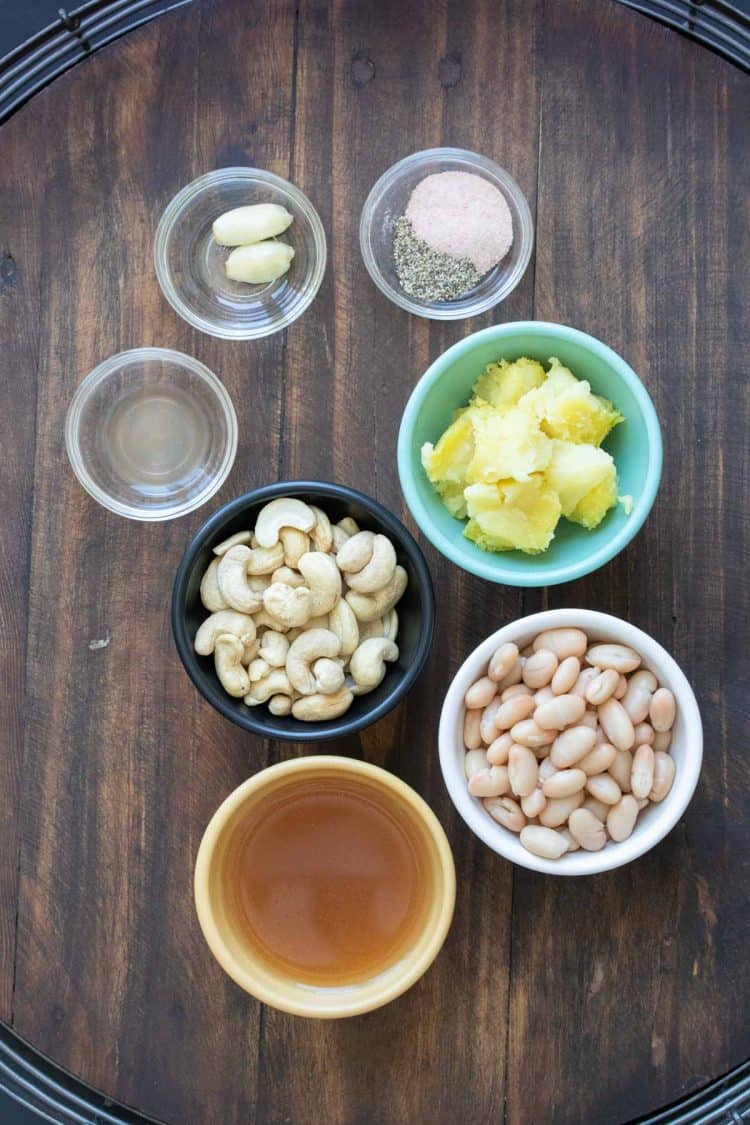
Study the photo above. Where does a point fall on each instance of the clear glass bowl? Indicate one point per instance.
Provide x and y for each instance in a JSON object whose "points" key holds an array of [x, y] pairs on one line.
{"points": [[387, 202], [190, 264], [151, 434]]}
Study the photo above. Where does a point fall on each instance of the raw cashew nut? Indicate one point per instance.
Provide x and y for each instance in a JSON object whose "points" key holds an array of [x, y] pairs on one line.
{"points": [[228, 651], [322, 533], [274, 648], [356, 552], [210, 592], [266, 620], [368, 607], [309, 647], [275, 683], [239, 625], [258, 669], [320, 622], [280, 705], [295, 544], [288, 576], [264, 560], [349, 526], [343, 623], [239, 537], [314, 708], [329, 675], [323, 578], [378, 571], [283, 512], [367, 665], [251, 651], [233, 582], [259, 582], [339, 538], [291, 607]]}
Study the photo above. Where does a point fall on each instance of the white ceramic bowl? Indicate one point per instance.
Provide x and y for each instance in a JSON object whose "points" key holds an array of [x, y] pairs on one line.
{"points": [[686, 748]]}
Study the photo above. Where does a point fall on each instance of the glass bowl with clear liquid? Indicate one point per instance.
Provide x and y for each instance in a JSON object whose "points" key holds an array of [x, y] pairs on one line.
{"points": [[151, 434]]}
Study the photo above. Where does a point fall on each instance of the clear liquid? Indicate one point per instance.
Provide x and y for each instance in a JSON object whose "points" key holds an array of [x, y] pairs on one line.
{"points": [[157, 439]]}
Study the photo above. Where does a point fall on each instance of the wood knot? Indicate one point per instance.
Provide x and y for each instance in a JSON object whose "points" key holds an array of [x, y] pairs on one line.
{"points": [[8, 273], [449, 70], [363, 69]]}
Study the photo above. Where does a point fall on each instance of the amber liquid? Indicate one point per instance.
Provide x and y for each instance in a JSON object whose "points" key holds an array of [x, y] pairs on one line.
{"points": [[330, 880]]}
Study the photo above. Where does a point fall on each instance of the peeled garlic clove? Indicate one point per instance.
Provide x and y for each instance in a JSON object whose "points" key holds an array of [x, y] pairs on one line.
{"points": [[261, 262], [245, 225]]}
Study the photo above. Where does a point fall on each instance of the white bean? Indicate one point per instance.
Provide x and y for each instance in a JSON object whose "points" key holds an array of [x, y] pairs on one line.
{"points": [[513, 677], [621, 818], [472, 730], [563, 642], [539, 669], [598, 808], [544, 695], [662, 741], [642, 802], [637, 698], [546, 769], [543, 842], [664, 770], [492, 782], [497, 751], [619, 657], [502, 662], [587, 829], [644, 732], [563, 711], [514, 690], [616, 724], [566, 675], [583, 681], [622, 687], [534, 803], [604, 788], [512, 712], [480, 693], [621, 769], [558, 809], [527, 733], [598, 760], [564, 783], [662, 710], [589, 719], [522, 771], [474, 761], [487, 727], [642, 774], [507, 812], [573, 845], [602, 687], [570, 746]]}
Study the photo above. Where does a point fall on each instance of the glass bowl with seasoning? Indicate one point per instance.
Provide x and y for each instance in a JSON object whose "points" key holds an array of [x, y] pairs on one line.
{"points": [[446, 234], [200, 235]]}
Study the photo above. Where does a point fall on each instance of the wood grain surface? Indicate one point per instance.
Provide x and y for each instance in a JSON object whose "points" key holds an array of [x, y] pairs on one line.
{"points": [[553, 1001]]}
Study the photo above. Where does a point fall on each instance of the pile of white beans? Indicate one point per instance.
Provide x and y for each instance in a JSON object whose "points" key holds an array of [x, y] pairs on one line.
{"points": [[567, 741]]}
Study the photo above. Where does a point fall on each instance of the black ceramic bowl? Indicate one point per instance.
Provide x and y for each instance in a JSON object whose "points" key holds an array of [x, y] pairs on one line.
{"points": [[416, 610]]}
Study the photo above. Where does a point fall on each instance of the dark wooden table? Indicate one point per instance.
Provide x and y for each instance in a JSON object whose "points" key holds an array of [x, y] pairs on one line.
{"points": [[554, 1001]]}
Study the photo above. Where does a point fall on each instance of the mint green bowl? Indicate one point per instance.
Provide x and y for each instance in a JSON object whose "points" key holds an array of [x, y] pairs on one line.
{"points": [[635, 445]]}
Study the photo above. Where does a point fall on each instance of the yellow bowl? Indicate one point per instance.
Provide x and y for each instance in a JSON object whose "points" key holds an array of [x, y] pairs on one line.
{"points": [[253, 973]]}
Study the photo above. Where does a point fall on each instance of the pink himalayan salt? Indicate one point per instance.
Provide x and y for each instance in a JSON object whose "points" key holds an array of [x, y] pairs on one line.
{"points": [[462, 215]]}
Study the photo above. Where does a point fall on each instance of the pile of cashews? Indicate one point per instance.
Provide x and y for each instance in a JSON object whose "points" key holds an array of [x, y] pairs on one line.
{"points": [[567, 741], [302, 611]]}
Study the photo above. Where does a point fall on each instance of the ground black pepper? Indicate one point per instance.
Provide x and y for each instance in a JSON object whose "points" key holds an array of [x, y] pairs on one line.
{"points": [[429, 274]]}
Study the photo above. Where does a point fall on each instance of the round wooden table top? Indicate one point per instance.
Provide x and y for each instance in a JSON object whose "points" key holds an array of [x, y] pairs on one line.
{"points": [[554, 1000]]}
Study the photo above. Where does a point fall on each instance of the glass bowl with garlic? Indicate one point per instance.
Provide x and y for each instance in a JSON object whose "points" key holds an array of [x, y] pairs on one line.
{"points": [[240, 253]]}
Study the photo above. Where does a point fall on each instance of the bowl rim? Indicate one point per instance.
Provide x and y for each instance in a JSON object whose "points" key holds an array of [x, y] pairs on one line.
{"points": [[186, 195], [98, 375], [272, 726], [353, 767], [450, 311], [492, 567], [668, 812]]}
